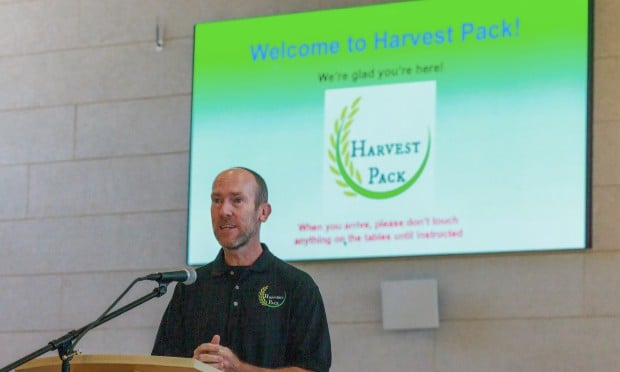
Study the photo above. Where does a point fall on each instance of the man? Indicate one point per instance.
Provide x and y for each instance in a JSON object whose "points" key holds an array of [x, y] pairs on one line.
{"points": [[248, 310]]}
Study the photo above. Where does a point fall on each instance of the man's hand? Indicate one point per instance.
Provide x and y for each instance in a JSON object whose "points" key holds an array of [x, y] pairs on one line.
{"points": [[209, 353], [223, 359], [217, 356]]}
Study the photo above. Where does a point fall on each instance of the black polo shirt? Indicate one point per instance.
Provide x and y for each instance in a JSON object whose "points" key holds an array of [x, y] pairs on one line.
{"points": [[270, 315]]}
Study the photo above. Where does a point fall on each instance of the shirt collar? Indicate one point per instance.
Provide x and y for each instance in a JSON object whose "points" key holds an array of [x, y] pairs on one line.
{"points": [[262, 263]]}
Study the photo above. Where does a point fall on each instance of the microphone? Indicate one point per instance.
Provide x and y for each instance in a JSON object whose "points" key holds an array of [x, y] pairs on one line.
{"points": [[186, 276]]}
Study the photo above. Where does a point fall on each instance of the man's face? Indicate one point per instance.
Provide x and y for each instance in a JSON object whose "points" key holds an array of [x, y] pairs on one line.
{"points": [[235, 218]]}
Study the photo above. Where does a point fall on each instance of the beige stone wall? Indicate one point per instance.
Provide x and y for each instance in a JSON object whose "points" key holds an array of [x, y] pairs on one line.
{"points": [[93, 153]]}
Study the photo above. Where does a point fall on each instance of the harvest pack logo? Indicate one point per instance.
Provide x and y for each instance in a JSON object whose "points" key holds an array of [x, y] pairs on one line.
{"points": [[271, 299], [379, 143]]}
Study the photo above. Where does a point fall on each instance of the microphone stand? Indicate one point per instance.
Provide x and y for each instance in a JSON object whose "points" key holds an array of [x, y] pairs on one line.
{"points": [[64, 344]]}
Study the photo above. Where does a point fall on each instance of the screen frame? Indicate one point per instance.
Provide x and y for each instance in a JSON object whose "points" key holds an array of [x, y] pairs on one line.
{"points": [[588, 157]]}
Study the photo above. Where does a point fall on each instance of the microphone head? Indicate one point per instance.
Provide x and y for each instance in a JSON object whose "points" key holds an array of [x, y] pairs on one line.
{"points": [[191, 275]]}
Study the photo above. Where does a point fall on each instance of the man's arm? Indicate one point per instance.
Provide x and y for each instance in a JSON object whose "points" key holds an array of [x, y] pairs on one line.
{"points": [[309, 341]]}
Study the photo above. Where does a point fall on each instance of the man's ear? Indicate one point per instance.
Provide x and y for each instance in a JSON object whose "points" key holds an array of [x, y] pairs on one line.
{"points": [[264, 211]]}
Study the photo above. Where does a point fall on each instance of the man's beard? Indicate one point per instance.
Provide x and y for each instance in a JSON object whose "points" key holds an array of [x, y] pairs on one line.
{"points": [[241, 240], [238, 243]]}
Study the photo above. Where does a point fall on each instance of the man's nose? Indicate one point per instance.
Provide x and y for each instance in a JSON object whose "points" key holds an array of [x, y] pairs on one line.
{"points": [[226, 208]]}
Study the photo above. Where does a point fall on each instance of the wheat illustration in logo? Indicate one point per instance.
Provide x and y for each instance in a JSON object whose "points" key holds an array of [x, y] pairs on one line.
{"points": [[340, 138]]}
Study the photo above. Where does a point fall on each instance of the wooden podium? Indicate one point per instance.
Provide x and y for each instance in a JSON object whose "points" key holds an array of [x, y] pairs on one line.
{"points": [[117, 363]]}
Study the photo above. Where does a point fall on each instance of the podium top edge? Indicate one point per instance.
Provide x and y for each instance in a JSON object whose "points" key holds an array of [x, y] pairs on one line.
{"points": [[124, 359]]}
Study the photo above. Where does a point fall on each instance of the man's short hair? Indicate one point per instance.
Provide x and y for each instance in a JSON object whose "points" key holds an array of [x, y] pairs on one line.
{"points": [[262, 195]]}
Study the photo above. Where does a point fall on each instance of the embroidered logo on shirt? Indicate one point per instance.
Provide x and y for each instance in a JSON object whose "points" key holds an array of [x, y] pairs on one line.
{"points": [[270, 299]]}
